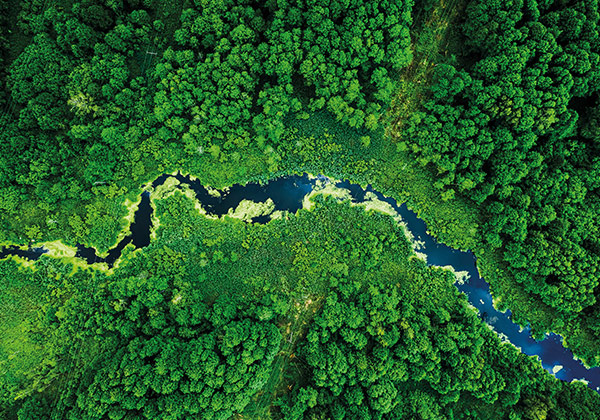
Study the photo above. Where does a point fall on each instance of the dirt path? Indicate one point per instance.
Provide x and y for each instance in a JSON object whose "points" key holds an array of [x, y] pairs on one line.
{"points": [[430, 47]]}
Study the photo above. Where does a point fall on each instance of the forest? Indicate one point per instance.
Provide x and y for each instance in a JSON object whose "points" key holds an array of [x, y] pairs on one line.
{"points": [[298, 318], [481, 115], [513, 125]]}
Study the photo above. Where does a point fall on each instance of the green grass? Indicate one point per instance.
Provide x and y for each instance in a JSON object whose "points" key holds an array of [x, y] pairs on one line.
{"points": [[390, 170], [20, 299]]}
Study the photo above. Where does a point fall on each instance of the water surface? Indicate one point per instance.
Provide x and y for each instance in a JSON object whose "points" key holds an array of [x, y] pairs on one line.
{"points": [[287, 193]]}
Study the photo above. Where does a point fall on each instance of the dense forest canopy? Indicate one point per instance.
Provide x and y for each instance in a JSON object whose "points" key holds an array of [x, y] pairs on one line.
{"points": [[514, 127], [483, 115], [100, 92], [298, 318]]}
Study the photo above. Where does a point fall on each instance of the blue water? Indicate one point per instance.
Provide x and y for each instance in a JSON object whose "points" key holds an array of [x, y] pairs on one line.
{"points": [[29, 253], [550, 350], [288, 193], [139, 235]]}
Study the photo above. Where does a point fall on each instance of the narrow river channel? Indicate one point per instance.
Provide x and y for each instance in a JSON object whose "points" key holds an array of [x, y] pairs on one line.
{"points": [[288, 193]]}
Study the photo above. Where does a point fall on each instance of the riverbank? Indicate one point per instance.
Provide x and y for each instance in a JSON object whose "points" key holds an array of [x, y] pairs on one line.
{"points": [[293, 193]]}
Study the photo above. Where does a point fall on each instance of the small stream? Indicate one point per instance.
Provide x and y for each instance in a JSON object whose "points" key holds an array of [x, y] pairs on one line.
{"points": [[30, 253], [139, 235], [288, 193]]}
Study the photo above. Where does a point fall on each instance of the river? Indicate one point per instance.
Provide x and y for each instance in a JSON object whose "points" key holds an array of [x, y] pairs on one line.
{"points": [[288, 193]]}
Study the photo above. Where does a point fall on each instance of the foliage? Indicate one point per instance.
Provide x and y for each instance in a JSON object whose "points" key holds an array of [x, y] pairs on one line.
{"points": [[326, 312], [376, 352], [169, 335], [509, 127], [110, 93]]}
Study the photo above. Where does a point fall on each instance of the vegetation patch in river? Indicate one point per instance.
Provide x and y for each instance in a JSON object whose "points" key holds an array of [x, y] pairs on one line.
{"points": [[58, 249], [248, 210], [325, 188]]}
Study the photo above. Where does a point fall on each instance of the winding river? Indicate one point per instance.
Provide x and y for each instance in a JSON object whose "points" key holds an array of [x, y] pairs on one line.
{"points": [[288, 193]]}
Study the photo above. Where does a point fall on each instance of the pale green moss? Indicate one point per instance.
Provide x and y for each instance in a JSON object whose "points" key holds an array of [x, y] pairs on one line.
{"points": [[496, 301], [165, 189], [420, 255], [213, 193], [278, 214], [171, 185], [155, 223], [247, 210], [24, 262], [131, 206], [66, 253], [80, 263], [372, 203], [328, 189], [56, 249], [461, 276]]}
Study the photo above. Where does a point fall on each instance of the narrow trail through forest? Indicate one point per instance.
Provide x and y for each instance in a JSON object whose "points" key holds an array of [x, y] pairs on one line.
{"points": [[430, 41]]}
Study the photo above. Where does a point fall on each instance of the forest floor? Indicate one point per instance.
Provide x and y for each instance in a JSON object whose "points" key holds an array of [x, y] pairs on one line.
{"points": [[285, 372], [169, 14], [431, 39]]}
